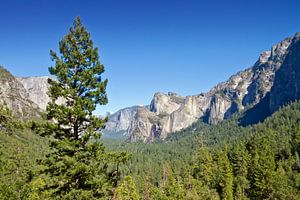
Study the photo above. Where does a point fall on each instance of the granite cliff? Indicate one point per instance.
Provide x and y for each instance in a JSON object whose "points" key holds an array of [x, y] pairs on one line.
{"points": [[37, 88], [287, 80], [26, 97], [14, 96], [243, 91]]}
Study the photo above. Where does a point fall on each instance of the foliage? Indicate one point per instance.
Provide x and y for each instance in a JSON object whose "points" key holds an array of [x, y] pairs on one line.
{"points": [[8, 123], [78, 167], [221, 161], [257, 162], [127, 190], [19, 151]]}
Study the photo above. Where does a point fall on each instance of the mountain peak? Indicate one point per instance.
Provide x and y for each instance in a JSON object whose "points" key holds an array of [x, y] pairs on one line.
{"points": [[170, 112]]}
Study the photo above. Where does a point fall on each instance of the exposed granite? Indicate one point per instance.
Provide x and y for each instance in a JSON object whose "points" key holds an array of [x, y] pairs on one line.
{"points": [[170, 112], [14, 96]]}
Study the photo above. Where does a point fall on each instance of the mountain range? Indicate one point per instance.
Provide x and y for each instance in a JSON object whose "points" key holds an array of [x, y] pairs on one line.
{"points": [[255, 92]]}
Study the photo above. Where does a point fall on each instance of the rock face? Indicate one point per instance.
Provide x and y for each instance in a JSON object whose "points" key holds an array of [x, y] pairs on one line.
{"points": [[15, 96], [26, 97], [169, 113], [37, 88], [287, 80], [162, 104], [120, 121], [145, 126]]}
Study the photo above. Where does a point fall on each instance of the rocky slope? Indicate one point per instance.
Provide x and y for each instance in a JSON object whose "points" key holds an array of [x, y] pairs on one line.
{"points": [[119, 122], [26, 97], [37, 88], [15, 96], [169, 112], [287, 80]]}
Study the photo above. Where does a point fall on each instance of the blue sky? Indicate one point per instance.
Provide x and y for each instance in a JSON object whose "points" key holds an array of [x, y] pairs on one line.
{"points": [[148, 46]]}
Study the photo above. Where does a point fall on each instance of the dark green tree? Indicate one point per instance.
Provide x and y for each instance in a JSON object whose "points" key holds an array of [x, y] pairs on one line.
{"points": [[78, 167], [203, 169], [241, 161], [280, 187], [195, 189], [8, 123], [79, 84], [225, 175], [262, 168]]}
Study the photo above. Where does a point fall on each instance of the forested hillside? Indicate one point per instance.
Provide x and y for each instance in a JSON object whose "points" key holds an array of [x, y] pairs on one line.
{"points": [[224, 161], [20, 149]]}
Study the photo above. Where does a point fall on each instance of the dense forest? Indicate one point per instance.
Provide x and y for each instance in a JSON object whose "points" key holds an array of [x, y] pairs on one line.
{"points": [[224, 161], [62, 155]]}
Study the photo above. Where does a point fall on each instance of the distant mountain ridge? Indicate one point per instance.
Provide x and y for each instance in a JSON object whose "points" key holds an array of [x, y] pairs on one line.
{"points": [[271, 82], [243, 91]]}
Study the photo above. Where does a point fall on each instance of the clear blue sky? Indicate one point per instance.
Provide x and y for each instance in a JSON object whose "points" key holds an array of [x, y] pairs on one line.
{"points": [[146, 46]]}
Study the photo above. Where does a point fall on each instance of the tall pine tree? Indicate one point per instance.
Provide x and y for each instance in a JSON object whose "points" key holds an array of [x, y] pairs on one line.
{"points": [[79, 83], [77, 166]]}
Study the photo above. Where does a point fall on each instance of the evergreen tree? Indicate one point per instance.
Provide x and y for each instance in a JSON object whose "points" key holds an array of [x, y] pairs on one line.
{"points": [[174, 189], [157, 194], [127, 190], [204, 168], [262, 169], [225, 175], [196, 190], [279, 186], [79, 84], [8, 122], [241, 161], [77, 167]]}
